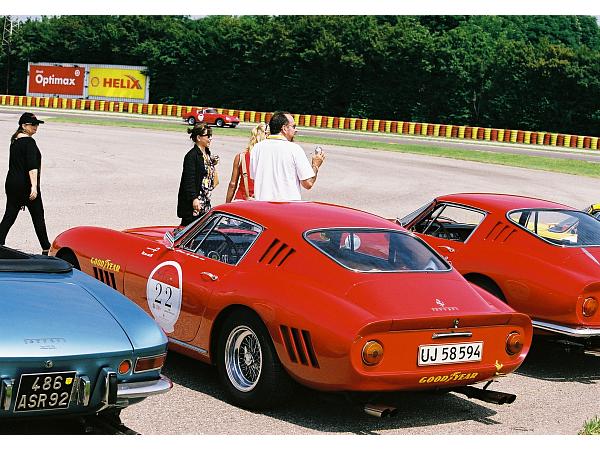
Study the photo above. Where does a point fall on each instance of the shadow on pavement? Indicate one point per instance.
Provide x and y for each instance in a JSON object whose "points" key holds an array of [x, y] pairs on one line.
{"points": [[333, 413], [553, 361], [42, 426]]}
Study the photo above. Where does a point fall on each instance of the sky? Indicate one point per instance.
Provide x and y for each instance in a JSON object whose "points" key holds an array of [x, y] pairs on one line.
{"points": [[243, 7]]}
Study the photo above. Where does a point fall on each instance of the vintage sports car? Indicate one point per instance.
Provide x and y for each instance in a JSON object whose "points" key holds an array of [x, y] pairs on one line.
{"points": [[594, 210], [339, 299], [541, 257], [70, 344], [211, 116]]}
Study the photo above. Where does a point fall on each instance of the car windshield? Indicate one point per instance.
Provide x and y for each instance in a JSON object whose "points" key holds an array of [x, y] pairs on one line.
{"points": [[178, 232], [562, 227], [410, 217], [211, 111], [375, 250]]}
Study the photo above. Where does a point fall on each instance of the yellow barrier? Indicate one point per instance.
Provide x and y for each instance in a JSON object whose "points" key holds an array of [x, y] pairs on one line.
{"points": [[591, 142]]}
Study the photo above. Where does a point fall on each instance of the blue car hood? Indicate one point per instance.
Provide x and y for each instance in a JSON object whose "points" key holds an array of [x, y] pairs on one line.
{"points": [[53, 318]]}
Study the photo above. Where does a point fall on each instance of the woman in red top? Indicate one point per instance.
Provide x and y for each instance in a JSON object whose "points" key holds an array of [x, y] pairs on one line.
{"points": [[241, 184]]}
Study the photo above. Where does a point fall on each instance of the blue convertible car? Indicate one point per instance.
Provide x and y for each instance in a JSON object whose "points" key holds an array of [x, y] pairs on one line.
{"points": [[70, 344]]}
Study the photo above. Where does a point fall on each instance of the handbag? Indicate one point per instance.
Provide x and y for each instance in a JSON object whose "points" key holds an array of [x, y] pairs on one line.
{"points": [[245, 175]]}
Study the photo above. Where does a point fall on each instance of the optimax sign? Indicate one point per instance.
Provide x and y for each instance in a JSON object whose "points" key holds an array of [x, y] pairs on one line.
{"points": [[117, 83], [56, 80]]}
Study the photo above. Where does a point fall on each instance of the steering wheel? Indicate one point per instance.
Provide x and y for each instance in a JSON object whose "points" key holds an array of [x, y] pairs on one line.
{"points": [[440, 228], [228, 246]]}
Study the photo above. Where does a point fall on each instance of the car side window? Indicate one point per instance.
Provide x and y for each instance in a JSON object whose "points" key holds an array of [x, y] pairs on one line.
{"points": [[193, 244], [561, 227], [450, 222], [224, 238]]}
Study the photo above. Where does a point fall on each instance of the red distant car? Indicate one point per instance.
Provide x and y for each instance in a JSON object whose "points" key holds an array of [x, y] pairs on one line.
{"points": [[211, 116], [541, 257], [339, 299]]}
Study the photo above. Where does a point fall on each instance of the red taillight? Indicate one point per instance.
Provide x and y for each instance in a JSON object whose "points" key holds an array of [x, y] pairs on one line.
{"points": [[149, 363], [514, 343], [589, 307], [124, 367]]}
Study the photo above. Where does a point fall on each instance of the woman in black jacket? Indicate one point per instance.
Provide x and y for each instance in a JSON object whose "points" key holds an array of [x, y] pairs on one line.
{"points": [[23, 181], [199, 176]]}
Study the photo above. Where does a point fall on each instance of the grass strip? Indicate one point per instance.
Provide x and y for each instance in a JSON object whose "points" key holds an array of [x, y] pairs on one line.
{"points": [[560, 165], [591, 427]]}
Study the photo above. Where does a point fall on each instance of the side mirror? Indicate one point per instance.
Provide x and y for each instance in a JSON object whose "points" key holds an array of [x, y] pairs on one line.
{"points": [[169, 240]]}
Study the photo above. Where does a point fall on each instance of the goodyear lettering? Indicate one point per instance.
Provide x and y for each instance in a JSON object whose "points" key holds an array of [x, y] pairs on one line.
{"points": [[122, 83], [456, 376], [40, 79], [105, 264]]}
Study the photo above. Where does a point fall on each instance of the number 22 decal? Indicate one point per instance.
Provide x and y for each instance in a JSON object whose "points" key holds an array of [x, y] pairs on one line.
{"points": [[168, 293], [164, 293]]}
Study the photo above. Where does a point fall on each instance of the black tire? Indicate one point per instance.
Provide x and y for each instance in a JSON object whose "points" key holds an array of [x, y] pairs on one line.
{"points": [[249, 368], [68, 256], [220, 123], [191, 120]]}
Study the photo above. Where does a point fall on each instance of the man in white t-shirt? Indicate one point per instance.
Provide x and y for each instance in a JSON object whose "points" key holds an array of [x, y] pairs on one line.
{"points": [[278, 166]]}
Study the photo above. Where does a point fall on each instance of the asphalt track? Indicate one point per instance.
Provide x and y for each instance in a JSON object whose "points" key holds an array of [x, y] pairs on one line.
{"points": [[127, 177]]}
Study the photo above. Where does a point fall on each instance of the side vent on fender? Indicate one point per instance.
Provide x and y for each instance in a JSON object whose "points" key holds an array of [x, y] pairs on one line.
{"points": [[500, 232], [299, 346], [106, 277], [277, 253]]}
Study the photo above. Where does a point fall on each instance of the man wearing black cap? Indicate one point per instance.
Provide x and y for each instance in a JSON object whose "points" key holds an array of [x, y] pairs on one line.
{"points": [[23, 181]]}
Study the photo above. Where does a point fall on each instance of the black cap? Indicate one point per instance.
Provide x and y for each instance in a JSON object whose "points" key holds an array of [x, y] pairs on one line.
{"points": [[29, 118]]}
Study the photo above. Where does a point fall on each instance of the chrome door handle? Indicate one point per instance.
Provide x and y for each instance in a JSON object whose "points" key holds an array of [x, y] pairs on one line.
{"points": [[209, 276], [450, 249]]}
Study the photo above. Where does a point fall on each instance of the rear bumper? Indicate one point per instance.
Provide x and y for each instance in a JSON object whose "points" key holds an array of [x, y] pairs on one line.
{"points": [[579, 332], [142, 389]]}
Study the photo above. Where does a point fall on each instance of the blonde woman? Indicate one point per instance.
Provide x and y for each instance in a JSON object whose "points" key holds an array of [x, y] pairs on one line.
{"points": [[241, 184]]}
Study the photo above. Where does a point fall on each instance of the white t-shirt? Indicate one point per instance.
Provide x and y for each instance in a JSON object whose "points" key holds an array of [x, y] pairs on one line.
{"points": [[277, 166]]}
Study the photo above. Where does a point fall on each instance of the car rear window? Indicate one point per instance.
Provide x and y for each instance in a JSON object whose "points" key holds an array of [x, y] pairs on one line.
{"points": [[375, 250], [562, 227]]}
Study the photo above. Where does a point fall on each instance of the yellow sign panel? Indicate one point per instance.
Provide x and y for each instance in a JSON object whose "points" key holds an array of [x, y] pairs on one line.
{"points": [[120, 83]]}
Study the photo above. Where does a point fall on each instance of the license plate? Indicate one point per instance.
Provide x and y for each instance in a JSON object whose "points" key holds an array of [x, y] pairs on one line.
{"points": [[43, 391], [449, 353]]}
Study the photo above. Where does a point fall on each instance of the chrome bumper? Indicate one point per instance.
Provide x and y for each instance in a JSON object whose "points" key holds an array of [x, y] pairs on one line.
{"points": [[580, 332], [143, 389]]}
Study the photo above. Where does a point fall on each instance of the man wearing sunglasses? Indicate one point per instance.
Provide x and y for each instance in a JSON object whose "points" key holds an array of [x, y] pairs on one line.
{"points": [[280, 167]]}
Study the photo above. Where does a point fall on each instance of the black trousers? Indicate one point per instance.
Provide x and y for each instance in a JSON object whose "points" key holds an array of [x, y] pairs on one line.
{"points": [[36, 210]]}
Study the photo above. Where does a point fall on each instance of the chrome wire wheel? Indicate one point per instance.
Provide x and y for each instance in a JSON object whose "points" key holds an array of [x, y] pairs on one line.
{"points": [[243, 358]]}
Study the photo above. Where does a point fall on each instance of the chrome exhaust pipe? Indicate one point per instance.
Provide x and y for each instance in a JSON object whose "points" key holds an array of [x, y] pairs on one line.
{"points": [[381, 411], [498, 398]]}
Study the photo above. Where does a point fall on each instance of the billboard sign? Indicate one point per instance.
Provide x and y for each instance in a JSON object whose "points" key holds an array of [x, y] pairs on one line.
{"points": [[88, 81], [56, 80], [117, 83]]}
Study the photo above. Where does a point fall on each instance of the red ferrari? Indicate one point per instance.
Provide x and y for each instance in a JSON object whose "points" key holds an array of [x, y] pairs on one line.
{"points": [[541, 257], [334, 298], [211, 116]]}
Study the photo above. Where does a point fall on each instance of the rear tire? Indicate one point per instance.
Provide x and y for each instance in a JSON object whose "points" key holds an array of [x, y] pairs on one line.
{"points": [[249, 368], [191, 121]]}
